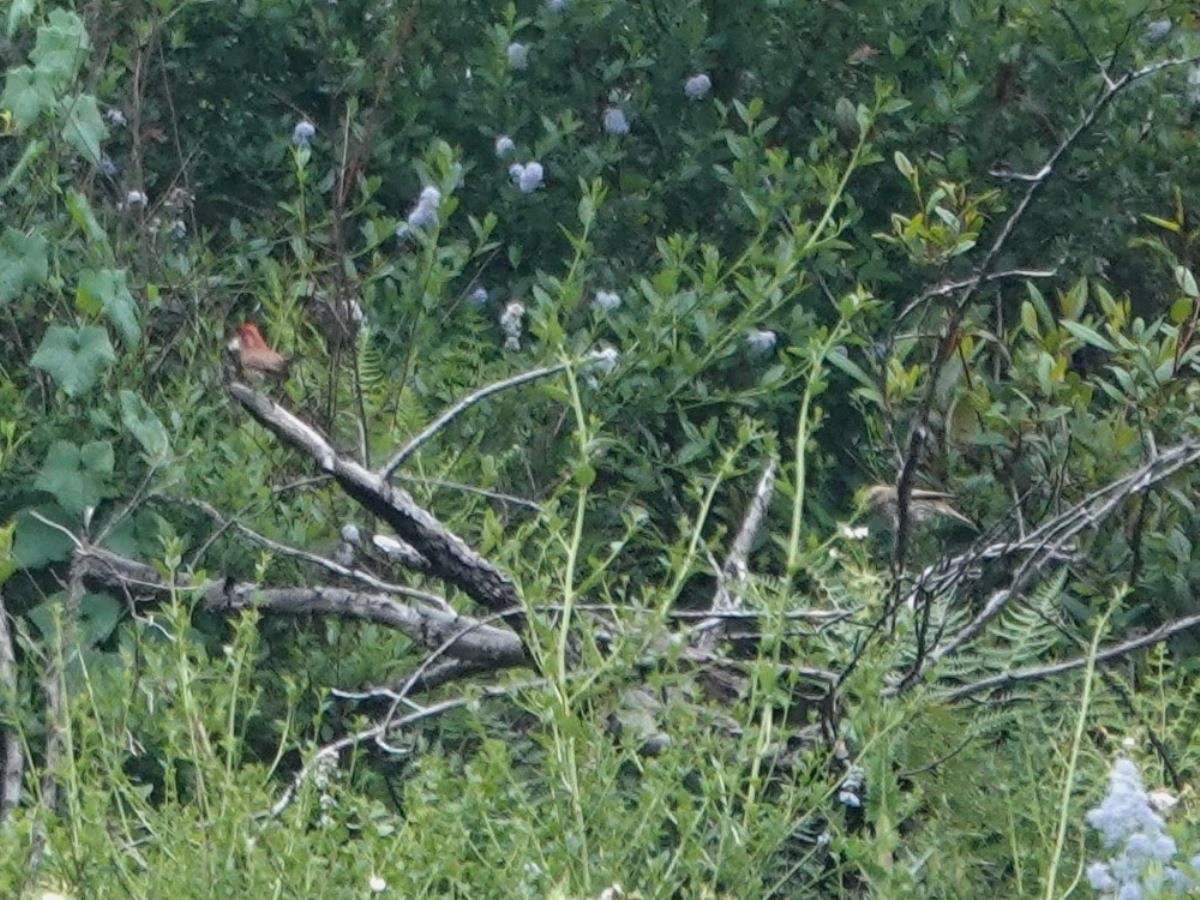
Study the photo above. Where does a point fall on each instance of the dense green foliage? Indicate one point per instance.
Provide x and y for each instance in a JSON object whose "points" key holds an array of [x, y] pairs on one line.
{"points": [[780, 254]]}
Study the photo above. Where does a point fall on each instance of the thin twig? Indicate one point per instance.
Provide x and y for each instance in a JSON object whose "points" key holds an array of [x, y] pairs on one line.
{"points": [[460, 407]]}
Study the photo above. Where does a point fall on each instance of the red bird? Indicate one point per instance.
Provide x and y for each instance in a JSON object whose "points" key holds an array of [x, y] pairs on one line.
{"points": [[255, 359]]}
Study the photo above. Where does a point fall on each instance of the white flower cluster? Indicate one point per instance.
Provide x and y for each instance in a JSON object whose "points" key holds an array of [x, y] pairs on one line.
{"points": [[303, 133], [511, 325], [528, 177], [697, 87], [424, 214], [518, 55], [607, 301], [1137, 835]]}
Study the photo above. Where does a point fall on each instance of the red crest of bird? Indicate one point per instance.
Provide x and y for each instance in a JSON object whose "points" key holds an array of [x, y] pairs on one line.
{"points": [[255, 358]]}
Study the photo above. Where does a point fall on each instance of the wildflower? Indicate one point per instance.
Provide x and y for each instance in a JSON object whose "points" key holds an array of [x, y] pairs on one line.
{"points": [[603, 360], [855, 533], [698, 86], [1157, 31], [518, 55], [504, 146], [108, 167], [510, 324], [116, 118], [607, 301], [135, 199], [303, 133], [760, 340], [526, 177], [615, 122], [479, 296], [1130, 827], [425, 213], [377, 884], [177, 229]]}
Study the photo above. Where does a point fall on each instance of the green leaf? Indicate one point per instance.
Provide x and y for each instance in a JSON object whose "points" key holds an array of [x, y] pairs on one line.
{"points": [[1089, 335], [104, 290], [62, 46], [1162, 223], [1181, 309], [74, 357], [8, 563], [18, 12], [144, 425], [76, 476], [1029, 320], [24, 263], [27, 93], [1186, 281], [83, 128], [1074, 301], [82, 215], [585, 475], [36, 542]]}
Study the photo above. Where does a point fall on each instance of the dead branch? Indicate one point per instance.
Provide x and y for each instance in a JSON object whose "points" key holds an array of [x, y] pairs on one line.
{"points": [[11, 748], [465, 638], [735, 568], [449, 556], [1033, 673], [1051, 542]]}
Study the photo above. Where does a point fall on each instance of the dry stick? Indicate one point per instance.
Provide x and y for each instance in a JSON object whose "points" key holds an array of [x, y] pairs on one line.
{"points": [[449, 556], [10, 739], [1033, 673], [735, 568], [460, 407], [496, 647], [1046, 544], [946, 347], [329, 565]]}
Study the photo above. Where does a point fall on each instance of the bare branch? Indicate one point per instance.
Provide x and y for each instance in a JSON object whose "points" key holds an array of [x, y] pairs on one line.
{"points": [[11, 748], [1006, 679], [430, 627], [460, 407], [449, 556], [329, 565], [1049, 544], [735, 568]]}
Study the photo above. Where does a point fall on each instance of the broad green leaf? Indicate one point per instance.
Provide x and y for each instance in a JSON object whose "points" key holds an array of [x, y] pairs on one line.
{"points": [[18, 12], [74, 357], [83, 216], [104, 291], [83, 128], [27, 93], [144, 425], [24, 262], [62, 46], [1074, 301], [37, 543], [1088, 335], [76, 476], [1186, 281]]}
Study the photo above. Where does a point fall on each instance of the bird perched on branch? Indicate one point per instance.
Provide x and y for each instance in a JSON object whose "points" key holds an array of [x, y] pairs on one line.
{"points": [[923, 506], [256, 360]]}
